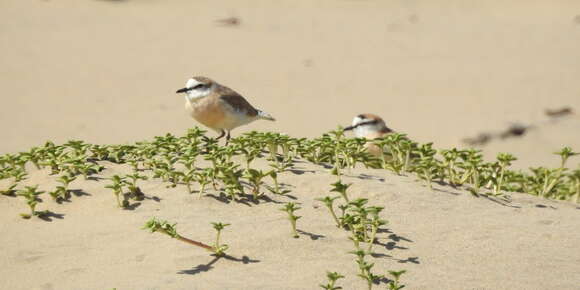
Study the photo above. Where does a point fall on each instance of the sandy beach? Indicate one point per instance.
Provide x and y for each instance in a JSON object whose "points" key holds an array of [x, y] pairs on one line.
{"points": [[441, 71]]}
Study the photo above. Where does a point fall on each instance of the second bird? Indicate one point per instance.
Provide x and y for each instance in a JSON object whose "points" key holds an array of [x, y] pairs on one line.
{"points": [[218, 107]]}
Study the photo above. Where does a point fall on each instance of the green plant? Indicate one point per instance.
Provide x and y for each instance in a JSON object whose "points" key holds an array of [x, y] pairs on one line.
{"points": [[328, 202], [365, 268], [395, 283], [551, 180], [332, 278], [374, 223], [164, 227], [218, 248], [203, 178], [255, 178], [10, 191], [499, 170], [30, 194], [117, 188], [62, 192], [290, 208], [134, 190], [341, 188]]}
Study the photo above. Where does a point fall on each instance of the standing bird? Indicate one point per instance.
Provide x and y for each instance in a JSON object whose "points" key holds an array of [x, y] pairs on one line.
{"points": [[369, 126], [218, 107]]}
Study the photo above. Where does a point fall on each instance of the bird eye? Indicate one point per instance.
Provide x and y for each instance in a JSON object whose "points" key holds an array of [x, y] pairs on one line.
{"points": [[199, 86]]}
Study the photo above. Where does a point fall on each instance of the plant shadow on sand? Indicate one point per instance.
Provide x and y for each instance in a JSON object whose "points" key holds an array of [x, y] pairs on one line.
{"points": [[247, 199], [392, 244], [312, 236], [206, 267], [48, 216]]}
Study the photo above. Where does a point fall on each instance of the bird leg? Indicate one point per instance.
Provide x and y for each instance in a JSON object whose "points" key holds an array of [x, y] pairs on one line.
{"points": [[228, 138], [223, 133]]}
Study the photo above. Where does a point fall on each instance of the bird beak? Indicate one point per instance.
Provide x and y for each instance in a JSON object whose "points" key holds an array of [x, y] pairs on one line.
{"points": [[348, 128], [184, 90]]}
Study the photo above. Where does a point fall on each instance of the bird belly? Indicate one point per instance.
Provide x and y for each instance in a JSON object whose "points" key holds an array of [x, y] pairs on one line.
{"points": [[216, 115]]}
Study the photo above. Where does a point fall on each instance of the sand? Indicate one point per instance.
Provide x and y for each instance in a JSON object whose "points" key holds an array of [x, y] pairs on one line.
{"points": [[445, 238], [106, 72]]}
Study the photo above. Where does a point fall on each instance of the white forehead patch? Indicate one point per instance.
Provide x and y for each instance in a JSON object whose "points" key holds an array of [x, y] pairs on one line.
{"points": [[363, 131], [191, 83], [195, 94], [357, 120]]}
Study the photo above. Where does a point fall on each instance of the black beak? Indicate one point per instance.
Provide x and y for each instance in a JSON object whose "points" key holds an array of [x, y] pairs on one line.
{"points": [[348, 128], [184, 90]]}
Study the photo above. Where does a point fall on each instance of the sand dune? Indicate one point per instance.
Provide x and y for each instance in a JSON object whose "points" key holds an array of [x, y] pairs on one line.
{"points": [[445, 238], [106, 72]]}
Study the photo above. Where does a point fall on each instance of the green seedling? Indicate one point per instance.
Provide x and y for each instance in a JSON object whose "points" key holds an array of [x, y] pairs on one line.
{"points": [[271, 141], [230, 175], [332, 278], [365, 268], [89, 168], [117, 187], [552, 179], [341, 188], [276, 189], [500, 167], [31, 193], [357, 220], [187, 178], [427, 170], [10, 191], [62, 192], [164, 227], [18, 173], [250, 154], [218, 248], [203, 178], [290, 208], [328, 202], [395, 284], [134, 190], [375, 223], [449, 164], [255, 177]]}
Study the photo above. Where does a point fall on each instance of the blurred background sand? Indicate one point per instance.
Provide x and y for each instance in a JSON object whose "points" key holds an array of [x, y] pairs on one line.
{"points": [[107, 71]]}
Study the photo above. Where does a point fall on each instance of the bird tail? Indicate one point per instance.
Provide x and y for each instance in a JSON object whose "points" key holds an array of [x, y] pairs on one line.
{"points": [[265, 116]]}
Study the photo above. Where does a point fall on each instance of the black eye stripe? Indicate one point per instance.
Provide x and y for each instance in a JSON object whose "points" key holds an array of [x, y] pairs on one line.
{"points": [[365, 123], [198, 86]]}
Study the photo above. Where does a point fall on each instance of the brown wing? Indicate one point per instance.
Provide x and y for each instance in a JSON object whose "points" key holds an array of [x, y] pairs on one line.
{"points": [[237, 102]]}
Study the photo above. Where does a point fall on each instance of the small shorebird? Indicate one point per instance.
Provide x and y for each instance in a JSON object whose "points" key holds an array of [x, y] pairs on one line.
{"points": [[369, 126], [218, 107]]}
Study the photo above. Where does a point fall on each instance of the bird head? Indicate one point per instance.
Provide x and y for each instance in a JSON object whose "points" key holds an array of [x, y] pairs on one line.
{"points": [[197, 88], [368, 126]]}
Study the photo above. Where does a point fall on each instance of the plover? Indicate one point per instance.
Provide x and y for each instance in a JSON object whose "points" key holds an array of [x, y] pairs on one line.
{"points": [[218, 107], [369, 126]]}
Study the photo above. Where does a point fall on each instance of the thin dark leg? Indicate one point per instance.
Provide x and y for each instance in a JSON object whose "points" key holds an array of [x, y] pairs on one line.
{"points": [[223, 133], [228, 138]]}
